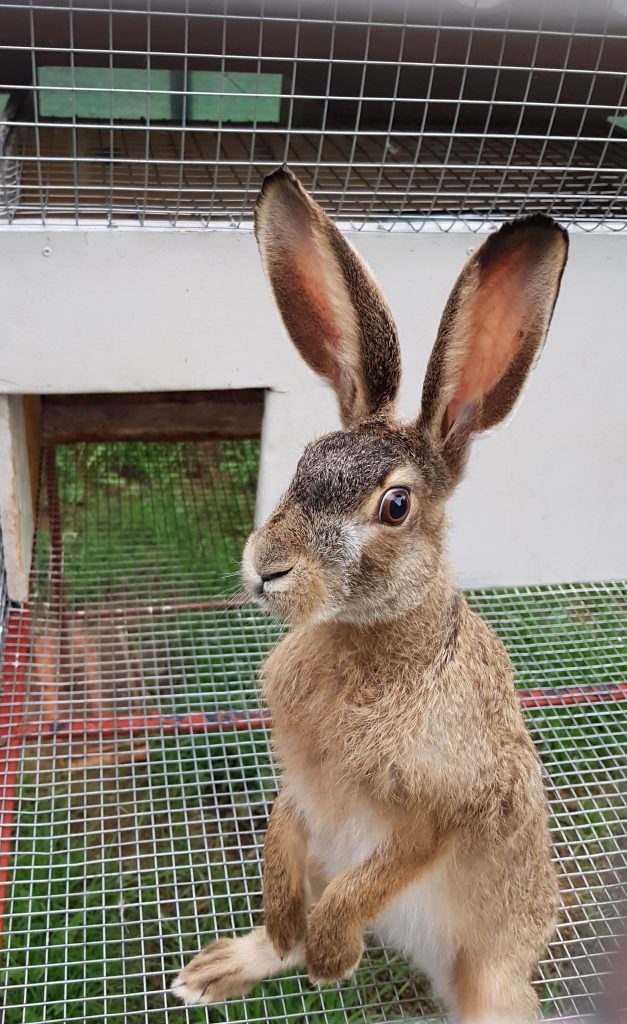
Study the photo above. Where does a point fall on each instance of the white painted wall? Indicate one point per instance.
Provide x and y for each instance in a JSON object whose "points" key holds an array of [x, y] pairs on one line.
{"points": [[545, 497]]}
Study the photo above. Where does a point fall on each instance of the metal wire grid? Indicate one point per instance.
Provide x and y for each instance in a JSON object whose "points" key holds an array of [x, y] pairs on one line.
{"points": [[136, 841], [10, 165], [411, 113]]}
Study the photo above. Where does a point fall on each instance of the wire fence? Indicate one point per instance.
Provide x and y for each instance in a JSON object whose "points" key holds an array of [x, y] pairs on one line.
{"points": [[403, 115], [143, 770]]}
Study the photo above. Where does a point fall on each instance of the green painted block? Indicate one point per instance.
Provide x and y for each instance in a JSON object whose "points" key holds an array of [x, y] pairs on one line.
{"points": [[234, 102], [620, 122], [128, 93]]}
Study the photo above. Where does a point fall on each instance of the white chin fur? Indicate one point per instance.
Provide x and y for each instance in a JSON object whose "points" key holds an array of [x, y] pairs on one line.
{"points": [[250, 576], [275, 587]]}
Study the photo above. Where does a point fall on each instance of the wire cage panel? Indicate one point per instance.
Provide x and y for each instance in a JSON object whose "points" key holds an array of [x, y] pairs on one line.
{"points": [[143, 772], [408, 113]]}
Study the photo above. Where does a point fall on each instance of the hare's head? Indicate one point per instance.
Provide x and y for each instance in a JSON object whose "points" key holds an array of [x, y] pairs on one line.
{"points": [[358, 535]]}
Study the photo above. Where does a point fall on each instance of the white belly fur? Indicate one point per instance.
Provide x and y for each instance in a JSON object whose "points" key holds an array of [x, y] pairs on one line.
{"points": [[419, 922]]}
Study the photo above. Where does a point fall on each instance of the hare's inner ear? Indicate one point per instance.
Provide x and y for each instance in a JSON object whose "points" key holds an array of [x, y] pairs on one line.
{"points": [[330, 304], [492, 329]]}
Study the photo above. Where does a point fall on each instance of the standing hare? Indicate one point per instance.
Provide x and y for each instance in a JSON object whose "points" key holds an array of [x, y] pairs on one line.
{"points": [[412, 801]]}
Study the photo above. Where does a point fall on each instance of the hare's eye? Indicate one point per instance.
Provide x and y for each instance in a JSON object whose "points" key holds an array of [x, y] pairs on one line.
{"points": [[394, 506]]}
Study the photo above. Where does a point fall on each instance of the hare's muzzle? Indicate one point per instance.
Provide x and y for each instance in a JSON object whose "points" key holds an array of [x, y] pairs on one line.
{"points": [[269, 582], [262, 572], [284, 580], [270, 577]]}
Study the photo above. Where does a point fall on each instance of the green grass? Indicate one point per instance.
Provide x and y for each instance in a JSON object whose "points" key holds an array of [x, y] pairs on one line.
{"points": [[152, 510], [84, 879], [77, 890], [560, 636]]}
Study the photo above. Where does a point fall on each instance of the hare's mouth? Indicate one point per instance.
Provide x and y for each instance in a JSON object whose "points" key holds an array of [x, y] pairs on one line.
{"points": [[275, 591], [293, 593], [272, 581], [268, 586], [290, 585]]}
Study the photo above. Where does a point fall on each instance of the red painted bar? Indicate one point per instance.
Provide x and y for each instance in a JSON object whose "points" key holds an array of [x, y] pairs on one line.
{"points": [[132, 725], [566, 696], [224, 720], [14, 661]]}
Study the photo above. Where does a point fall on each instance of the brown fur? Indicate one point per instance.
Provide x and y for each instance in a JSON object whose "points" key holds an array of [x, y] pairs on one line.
{"points": [[284, 899], [393, 704], [493, 991], [358, 895]]}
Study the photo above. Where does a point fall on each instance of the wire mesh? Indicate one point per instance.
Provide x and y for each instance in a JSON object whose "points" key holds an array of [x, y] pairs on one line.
{"points": [[10, 161], [139, 839], [405, 114]]}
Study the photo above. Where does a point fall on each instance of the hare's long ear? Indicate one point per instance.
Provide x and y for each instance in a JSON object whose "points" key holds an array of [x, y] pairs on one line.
{"points": [[330, 304], [492, 330]]}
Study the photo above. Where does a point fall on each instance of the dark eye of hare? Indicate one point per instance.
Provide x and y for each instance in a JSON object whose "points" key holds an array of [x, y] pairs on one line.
{"points": [[394, 506]]}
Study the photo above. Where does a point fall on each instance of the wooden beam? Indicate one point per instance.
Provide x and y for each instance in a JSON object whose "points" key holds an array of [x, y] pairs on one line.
{"points": [[157, 416], [31, 405]]}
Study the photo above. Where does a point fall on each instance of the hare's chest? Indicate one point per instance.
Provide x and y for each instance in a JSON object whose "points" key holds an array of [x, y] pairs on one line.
{"points": [[317, 774], [342, 833], [343, 826], [341, 731]]}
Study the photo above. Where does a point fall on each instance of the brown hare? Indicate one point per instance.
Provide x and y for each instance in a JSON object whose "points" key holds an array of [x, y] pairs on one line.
{"points": [[412, 801]]}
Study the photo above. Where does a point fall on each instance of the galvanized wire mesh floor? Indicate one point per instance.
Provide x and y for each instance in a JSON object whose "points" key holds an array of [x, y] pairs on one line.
{"points": [[136, 777], [127, 174]]}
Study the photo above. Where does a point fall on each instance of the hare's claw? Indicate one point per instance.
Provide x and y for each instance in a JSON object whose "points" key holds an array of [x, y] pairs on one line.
{"points": [[333, 952], [231, 967], [218, 972]]}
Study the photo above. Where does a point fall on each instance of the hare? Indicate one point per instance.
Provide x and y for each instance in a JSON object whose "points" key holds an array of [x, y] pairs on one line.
{"points": [[412, 801]]}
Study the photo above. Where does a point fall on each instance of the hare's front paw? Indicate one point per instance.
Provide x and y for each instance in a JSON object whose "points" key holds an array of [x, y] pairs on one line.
{"points": [[219, 971], [333, 947], [285, 919], [286, 925]]}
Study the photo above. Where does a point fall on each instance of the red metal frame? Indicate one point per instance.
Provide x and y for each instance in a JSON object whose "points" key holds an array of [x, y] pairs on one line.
{"points": [[132, 725], [223, 719], [12, 700], [565, 696]]}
